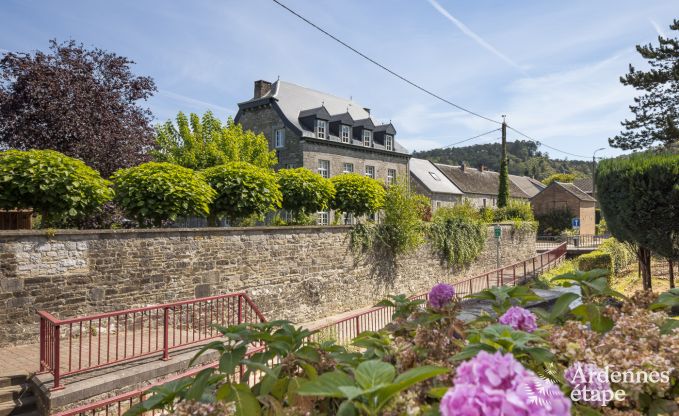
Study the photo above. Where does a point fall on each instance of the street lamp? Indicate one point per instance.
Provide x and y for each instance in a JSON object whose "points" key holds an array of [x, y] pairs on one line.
{"points": [[594, 171]]}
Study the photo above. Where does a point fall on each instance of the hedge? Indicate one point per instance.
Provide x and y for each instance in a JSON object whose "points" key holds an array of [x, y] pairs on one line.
{"points": [[595, 260]]}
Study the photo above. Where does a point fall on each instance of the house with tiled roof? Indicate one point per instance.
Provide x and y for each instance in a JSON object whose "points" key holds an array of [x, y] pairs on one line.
{"points": [[561, 196], [322, 132], [426, 179], [480, 186], [585, 185]]}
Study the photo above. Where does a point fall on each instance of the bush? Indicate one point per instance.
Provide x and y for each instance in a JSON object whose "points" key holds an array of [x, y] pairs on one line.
{"points": [[515, 210], [162, 191], [560, 177], [554, 222], [304, 192], [595, 260], [621, 253], [456, 238], [401, 227], [357, 194], [58, 187], [243, 190]]}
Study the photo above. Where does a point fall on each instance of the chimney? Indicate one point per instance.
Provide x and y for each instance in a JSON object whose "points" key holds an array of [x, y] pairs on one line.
{"points": [[367, 110], [482, 168], [262, 88], [462, 166]]}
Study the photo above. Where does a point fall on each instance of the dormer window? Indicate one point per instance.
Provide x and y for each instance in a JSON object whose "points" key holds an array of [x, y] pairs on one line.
{"points": [[367, 138], [389, 142], [435, 176], [321, 129], [346, 134]]}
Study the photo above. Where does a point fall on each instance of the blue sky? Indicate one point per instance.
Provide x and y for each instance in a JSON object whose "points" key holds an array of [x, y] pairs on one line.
{"points": [[552, 67]]}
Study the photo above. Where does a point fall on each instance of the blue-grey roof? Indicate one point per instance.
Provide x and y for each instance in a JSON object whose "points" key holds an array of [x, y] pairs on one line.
{"points": [[432, 178]]}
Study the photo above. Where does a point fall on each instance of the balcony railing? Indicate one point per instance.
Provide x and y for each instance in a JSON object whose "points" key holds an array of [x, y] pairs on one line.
{"points": [[547, 242]]}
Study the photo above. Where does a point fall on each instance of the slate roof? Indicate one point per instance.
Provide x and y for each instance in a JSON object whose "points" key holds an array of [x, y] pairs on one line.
{"points": [[528, 185], [579, 193], [585, 185], [291, 100], [474, 181], [432, 178]]}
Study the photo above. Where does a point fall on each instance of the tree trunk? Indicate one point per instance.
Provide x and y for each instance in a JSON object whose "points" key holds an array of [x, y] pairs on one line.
{"points": [[670, 263], [644, 256], [212, 220]]}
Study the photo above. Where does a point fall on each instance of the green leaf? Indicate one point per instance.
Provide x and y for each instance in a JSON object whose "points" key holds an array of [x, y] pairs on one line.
{"points": [[374, 372], [200, 382], [230, 359], [669, 325], [240, 394], [326, 385], [561, 306], [407, 379], [347, 408]]}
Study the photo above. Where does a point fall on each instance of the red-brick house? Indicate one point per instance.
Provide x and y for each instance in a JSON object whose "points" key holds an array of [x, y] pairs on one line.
{"points": [[559, 196]]}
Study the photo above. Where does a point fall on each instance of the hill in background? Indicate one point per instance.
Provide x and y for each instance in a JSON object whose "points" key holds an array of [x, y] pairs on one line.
{"points": [[523, 157]]}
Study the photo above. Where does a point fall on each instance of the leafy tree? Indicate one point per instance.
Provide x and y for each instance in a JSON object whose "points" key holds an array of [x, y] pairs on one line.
{"points": [[200, 143], [455, 237], [55, 185], [243, 190], [357, 194], [560, 177], [304, 192], [656, 112], [503, 191], [639, 196], [162, 191], [80, 102]]}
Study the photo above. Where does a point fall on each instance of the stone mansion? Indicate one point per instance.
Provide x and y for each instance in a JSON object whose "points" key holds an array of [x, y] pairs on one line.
{"points": [[323, 133]]}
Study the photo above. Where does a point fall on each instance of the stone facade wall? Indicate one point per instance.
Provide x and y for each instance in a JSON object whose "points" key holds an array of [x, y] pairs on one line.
{"points": [[438, 200], [296, 273], [557, 198]]}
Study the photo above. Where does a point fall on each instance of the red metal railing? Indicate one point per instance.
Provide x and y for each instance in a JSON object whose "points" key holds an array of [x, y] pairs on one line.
{"points": [[75, 345], [546, 242], [374, 319], [345, 329]]}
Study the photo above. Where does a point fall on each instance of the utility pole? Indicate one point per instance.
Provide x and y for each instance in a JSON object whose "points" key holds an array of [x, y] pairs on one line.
{"points": [[594, 171], [503, 192]]}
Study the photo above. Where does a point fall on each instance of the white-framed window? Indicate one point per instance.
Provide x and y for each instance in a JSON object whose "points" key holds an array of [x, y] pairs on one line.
{"points": [[323, 217], [279, 138], [389, 142], [435, 176], [324, 168], [348, 218], [348, 168], [321, 129], [391, 176], [345, 132], [367, 138], [289, 166], [370, 171]]}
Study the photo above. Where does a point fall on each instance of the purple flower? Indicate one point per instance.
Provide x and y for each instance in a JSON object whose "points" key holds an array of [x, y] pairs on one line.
{"points": [[497, 385], [520, 319], [590, 382], [440, 295]]}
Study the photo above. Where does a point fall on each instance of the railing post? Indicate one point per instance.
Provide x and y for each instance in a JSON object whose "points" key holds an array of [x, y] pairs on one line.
{"points": [[487, 281], [166, 333], [42, 344], [358, 327], [514, 274], [542, 262], [57, 355], [502, 277], [240, 309], [524, 269], [471, 289]]}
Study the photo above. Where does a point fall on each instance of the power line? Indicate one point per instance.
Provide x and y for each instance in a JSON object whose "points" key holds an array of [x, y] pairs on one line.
{"points": [[364, 56], [539, 143], [419, 87], [471, 138]]}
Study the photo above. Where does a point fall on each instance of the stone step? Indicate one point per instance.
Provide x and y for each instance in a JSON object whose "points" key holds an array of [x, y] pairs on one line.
{"points": [[22, 406], [13, 380], [10, 393]]}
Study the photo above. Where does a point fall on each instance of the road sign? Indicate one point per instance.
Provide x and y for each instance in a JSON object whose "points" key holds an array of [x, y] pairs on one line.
{"points": [[498, 231], [575, 222]]}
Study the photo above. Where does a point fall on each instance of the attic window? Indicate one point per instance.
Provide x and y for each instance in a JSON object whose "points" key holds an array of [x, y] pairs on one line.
{"points": [[367, 138], [435, 176], [321, 128], [346, 132], [389, 142]]}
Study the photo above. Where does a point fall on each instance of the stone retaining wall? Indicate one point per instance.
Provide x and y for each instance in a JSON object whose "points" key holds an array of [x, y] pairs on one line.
{"points": [[296, 273]]}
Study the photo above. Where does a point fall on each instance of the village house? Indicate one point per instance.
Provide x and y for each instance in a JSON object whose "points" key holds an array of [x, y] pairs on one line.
{"points": [[324, 133], [566, 196], [426, 179]]}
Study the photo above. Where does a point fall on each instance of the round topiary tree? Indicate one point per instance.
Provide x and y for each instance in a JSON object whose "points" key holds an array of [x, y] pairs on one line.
{"points": [[162, 191], [357, 194], [243, 190], [639, 196], [55, 185], [304, 192]]}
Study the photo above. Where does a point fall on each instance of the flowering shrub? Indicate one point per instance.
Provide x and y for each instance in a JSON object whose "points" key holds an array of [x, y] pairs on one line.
{"points": [[587, 379], [520, 319], [497, 384], [440, 295]]}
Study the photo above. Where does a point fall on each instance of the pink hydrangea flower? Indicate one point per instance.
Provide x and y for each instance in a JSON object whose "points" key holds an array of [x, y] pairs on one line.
{"points": [[587, 379], [440, 295], [520, 319], [497, 385]]}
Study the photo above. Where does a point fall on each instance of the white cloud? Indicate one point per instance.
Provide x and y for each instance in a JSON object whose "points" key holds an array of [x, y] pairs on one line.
{"points": [[657, 28], [471, 34], [194, 103]]}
